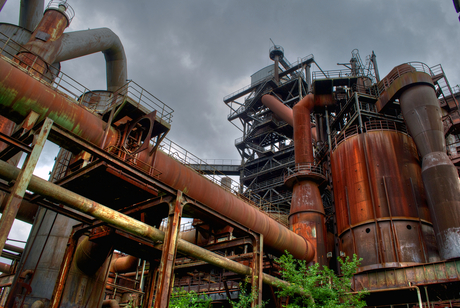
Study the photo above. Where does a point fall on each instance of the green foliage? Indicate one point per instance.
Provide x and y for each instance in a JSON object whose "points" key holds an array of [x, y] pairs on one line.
{"points": [[245, 298], [184, 299], [324, 286]]}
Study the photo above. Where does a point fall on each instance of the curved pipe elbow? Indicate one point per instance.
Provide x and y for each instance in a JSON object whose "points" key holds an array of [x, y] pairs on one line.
{"points": [[81, 43], [90, 256], [278, 108], [124, 264], [310, 251], [307, 102]]}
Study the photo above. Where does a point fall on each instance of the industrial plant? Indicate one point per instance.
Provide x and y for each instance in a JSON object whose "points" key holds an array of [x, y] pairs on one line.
{"points": [[333, 164]]}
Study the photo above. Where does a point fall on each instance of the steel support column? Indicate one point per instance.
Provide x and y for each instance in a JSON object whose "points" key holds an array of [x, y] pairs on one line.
{"points": [[150, 295], [257, 270], [168, 257], [64, 270], [17, 193]]}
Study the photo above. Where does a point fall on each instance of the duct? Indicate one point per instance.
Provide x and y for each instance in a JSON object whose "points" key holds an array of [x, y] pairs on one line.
{"points": [[283, 111], [90, 256], [26, 212], [180, 177], [43, 44], [124, 264], [194, 236], [129, 224], [307, 216], [278, 108], [31, 13], [5, 268], [51, 45], [20, 94], [82, 43], [422, 114]]}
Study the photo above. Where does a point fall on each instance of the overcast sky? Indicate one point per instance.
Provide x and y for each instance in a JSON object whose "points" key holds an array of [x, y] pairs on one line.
{"points": [[192, 53]]}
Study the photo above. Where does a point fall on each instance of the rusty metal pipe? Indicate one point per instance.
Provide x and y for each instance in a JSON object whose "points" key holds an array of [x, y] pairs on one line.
{"points": [[81, 43], [90, 256], [129, 224], [306, 216], [44, 42], [26, 212], [278, 108], [5, 268], [183, 178], [124, 264], [302, 130], [20, 94], [30, 14]]}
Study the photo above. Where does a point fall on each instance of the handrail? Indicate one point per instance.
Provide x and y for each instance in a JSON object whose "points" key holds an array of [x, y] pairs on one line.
{"points": [[195, 163], [331, 74], [368, 126], [401, 70], [305, 168], [258, 82], [75, 91]]}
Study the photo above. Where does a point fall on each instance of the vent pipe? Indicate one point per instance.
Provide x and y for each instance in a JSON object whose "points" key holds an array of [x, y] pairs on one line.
{"points": [[31, 13], [307, 216]]}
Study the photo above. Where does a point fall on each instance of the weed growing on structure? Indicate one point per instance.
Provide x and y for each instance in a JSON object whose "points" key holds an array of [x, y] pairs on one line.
{"points": [[184, 299], [325, 288], [246, 298]]}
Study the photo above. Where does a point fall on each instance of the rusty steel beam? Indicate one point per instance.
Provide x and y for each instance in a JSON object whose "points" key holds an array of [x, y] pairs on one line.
{"points": [[17, 192], [129, 224], [168, 256], [64, 270]]}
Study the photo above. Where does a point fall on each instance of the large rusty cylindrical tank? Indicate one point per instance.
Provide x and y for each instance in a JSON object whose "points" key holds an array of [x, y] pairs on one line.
{"points": [[382, 214]]}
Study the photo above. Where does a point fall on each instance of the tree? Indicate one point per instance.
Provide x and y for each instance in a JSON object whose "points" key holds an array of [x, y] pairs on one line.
{"points": [[326, 289]]}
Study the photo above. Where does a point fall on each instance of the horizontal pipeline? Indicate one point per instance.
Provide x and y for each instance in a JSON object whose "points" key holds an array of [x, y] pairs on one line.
{"points": [[128, 224]]}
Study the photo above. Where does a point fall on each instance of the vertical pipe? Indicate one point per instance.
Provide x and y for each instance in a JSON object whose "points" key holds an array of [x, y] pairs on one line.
{"points": [[306, 216], [376, 69], [422, 114], [308, 77], [63, 272], [31, 13], [168, 257]]}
